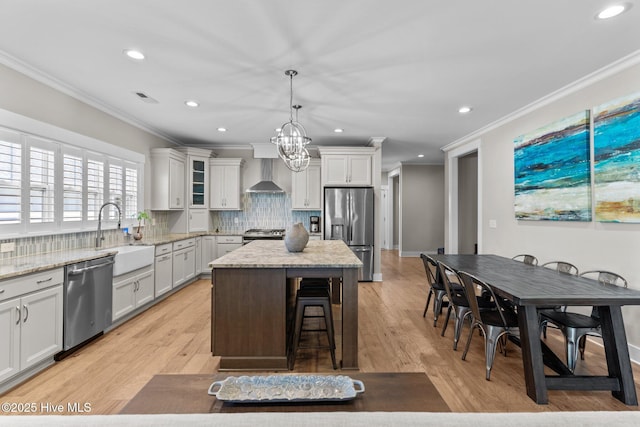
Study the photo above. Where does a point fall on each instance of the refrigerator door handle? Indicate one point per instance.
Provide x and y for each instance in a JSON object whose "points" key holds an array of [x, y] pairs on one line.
{"points": [[351, 209]]}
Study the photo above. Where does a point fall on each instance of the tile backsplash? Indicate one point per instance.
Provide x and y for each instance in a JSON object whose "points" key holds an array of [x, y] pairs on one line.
{"points": [[261, 211]]}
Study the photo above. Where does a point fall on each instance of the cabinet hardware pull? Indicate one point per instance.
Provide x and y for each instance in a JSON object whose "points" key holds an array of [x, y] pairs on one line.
{"points": [[19, 315], [26, 313], [45, 280], [1, 291]]}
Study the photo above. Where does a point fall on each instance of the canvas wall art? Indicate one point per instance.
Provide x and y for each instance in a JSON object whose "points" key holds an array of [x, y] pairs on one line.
{"points": [[616, 152], [552, 171]]}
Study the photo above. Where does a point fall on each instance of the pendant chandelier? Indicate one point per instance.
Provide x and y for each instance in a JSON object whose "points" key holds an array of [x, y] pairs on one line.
{"points": [[292, 139]]}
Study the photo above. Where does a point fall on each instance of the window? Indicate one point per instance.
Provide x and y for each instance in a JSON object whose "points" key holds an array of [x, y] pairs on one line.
{"points": [[41, 185], [10, 179], [95, 188], [72, 188], [47, 186], [115, 191], [131, 192]]}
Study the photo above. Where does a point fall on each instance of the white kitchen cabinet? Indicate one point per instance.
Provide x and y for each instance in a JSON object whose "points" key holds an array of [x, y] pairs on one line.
{"points": [[168, 179], [198, 255], [225, 185], [132, 290], [184, 261], [199, 220], [208, 252], [31, 319], [347, 166], [306, 188], [163, 273], [226, 244]]}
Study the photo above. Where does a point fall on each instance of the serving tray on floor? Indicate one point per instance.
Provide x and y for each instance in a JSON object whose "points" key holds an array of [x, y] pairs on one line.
{"points": [[286, 388]]}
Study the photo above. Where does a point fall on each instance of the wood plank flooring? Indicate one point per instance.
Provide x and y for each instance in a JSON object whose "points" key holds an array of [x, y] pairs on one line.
{"points": [[173, 338]]}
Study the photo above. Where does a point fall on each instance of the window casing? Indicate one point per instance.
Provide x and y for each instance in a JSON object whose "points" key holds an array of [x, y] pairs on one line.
{"points": [[47, 186]]}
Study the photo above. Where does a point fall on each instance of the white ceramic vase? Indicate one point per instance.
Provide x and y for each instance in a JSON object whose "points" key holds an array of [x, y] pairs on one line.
{"points": [[296, 238]]}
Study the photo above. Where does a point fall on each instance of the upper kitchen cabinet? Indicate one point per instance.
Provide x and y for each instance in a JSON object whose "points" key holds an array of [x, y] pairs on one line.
{"points": [[306, 188], [168, 179], [197, 176], [225, 186], [347, 166]]}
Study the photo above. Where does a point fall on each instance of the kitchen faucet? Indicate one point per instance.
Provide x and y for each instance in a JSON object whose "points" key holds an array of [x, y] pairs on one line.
{"points": [[100, 235]]}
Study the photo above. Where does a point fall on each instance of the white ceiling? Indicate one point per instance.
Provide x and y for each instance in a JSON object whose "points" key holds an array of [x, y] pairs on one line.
{"points": [[398, 69]]}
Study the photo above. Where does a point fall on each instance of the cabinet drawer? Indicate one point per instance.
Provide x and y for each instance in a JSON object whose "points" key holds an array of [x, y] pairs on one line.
{"points": [[164, 249], [229, 239], [32, 282], [183, 244]]}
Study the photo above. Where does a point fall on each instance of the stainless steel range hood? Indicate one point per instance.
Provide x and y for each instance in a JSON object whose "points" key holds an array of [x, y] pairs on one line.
{"points": [[266, 185]]}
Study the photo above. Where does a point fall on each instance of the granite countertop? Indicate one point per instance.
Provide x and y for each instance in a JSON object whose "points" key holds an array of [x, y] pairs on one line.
{"points": [[19, 266], [273, 254]]}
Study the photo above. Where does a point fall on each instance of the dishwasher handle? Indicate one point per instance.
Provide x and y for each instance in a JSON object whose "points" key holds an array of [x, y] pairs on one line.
{"points": [[84, 270]]}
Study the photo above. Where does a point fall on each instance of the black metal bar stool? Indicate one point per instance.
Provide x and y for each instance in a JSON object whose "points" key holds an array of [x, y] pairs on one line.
{"points": [[312, 296]]}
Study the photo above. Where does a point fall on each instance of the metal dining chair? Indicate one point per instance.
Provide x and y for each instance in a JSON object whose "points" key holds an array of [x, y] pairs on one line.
{"points": [[576, 326], [562, 267], [495, 324], [458, 303], [436, 288], [526, 258]]}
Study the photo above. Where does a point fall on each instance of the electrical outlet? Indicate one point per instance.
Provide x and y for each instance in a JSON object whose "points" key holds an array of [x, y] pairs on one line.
{"points": [[8, 247]]}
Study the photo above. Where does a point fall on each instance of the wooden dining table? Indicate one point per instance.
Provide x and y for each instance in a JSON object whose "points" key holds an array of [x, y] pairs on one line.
{"points": [[528, 287]]}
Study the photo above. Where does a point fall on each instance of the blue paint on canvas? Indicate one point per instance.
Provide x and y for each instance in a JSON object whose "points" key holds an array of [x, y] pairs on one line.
{"points": [[552, 171], [617, 160]]}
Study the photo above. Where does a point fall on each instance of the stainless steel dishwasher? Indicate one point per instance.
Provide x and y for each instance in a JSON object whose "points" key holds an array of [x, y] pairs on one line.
{"points": [[87, 300]]}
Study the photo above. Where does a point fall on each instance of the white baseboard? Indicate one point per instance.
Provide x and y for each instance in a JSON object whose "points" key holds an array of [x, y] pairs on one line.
{"points": [[417, 253]]}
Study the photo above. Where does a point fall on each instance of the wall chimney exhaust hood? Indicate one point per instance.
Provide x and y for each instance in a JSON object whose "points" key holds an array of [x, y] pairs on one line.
{"points": [[266, 185]]}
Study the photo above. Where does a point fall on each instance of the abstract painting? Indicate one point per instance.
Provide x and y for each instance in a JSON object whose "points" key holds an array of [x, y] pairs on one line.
{"points": [[616, 152], [552, 171]]}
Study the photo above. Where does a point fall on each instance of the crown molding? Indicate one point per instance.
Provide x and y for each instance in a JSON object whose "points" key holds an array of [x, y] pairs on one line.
{"points": [[57, 84], [607, 71]]}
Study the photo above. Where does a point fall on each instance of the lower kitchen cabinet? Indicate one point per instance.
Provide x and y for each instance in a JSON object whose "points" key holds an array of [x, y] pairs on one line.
{"points": [[30, 321], [164, 273], [132, 290], [184, 261], [198, 255], [208, 252], [227, 244]]}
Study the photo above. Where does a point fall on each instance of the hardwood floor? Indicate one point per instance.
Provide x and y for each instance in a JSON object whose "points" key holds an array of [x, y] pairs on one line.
{"points": [[173, 338]]}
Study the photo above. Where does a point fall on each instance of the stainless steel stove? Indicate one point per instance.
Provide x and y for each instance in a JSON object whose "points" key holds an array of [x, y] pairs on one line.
{"points": [[262, 234]]}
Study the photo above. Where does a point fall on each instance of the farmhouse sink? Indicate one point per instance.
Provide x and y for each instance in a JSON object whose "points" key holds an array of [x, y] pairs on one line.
{"points": [[132, 257]]}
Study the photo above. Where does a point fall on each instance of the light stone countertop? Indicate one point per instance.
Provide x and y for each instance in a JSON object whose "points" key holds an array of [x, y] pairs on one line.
{"points": [[19, 266], [273, 254]]}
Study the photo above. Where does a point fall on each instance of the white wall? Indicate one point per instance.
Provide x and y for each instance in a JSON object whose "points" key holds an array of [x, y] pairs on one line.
{"points": [[23, 95], [588, 245]]}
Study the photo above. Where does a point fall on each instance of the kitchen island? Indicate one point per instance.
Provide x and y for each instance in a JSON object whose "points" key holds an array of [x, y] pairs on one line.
{"points": [[253, 292]]}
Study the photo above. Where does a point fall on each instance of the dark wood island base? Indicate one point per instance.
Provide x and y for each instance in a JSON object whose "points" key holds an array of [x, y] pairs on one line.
{"points": [[253, 291]]}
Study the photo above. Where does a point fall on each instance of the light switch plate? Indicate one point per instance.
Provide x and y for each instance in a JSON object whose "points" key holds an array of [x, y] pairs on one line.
{"points": [[493, 223]]}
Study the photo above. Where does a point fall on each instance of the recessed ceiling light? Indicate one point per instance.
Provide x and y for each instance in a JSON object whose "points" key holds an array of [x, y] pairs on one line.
{"points": [[134, 54], [612, 11], [222, 129], [421, 155], [191, 103], [338, 130], [464, 110]]}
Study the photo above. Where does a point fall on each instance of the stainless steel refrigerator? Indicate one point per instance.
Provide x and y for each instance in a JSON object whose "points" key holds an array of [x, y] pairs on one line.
{"points": [[348, 215]]}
